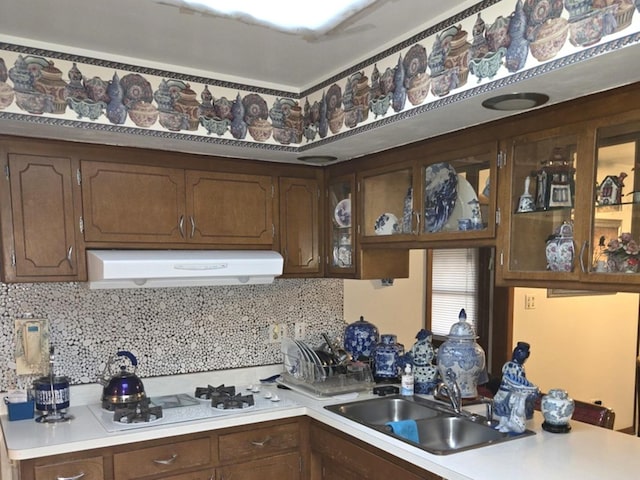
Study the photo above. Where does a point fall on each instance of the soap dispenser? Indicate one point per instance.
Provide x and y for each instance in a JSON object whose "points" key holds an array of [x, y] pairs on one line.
{"points": [[406, 384]]}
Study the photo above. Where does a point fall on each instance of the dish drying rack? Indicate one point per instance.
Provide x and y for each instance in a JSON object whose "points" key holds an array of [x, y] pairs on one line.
{"points": [[309, 377]]}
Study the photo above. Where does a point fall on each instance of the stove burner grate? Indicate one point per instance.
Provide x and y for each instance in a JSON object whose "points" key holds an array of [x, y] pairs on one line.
{"points": [[138, 413], [211, 393], [233, 402]]}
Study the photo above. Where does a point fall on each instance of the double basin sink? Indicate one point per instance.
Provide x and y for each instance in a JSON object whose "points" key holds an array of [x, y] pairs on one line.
{"points": [[440, 430]]}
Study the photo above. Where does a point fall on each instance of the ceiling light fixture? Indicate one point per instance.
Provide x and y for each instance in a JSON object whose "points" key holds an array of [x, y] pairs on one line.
{"points": [[516, 101], [286, 15]]}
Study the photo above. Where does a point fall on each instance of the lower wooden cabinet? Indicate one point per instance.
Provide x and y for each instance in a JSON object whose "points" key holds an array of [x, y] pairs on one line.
{"points": [[263, 451], [337, 456]]}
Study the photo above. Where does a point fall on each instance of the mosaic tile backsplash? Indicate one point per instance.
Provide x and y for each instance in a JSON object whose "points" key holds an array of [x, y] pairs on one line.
{"points": [[169, 330]]}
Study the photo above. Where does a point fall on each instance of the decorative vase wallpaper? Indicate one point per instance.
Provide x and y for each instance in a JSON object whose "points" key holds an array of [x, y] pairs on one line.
{"points": [[487, 46], [169, 330]]}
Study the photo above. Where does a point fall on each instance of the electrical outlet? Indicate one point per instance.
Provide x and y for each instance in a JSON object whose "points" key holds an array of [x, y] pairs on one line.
{"points": [[529, 302], [277, 331], [300, 331]]}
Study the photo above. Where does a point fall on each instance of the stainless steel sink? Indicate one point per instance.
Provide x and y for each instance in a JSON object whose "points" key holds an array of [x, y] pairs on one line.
{"points": [[440, 430]]}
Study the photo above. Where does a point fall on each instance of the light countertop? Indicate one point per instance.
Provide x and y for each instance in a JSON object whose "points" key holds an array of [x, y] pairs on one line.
{"points": [[587, 452]]}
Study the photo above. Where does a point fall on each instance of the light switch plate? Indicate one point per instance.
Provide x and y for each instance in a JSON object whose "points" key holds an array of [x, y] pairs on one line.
{"points": [[32, 346]]}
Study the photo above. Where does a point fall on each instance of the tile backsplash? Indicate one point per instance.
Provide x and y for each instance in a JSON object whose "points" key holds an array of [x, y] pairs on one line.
{"points": [[169, 330]]}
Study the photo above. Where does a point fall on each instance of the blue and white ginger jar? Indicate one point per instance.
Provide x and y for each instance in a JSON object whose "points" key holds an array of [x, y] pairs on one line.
{"points": [[360, 338], [386, 357], [463, 356], [557, 407]]}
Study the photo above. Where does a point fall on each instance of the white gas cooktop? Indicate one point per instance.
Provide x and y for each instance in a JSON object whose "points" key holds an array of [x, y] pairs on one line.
{"points": [[184, 407]]}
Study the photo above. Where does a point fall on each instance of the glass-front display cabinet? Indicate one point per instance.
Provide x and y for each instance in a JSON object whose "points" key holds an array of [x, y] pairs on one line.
{"points": [[457, 194], [548, 173], [615, 226], [342, 247], [445, 195]]}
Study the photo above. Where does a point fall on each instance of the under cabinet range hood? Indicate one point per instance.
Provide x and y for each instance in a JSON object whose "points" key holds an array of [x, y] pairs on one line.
{"points": [[180, 268]]}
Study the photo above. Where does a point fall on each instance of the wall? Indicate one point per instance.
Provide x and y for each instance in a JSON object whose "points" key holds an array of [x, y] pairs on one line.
{"points": [[398, 309], [584, 344], [170, 330]]}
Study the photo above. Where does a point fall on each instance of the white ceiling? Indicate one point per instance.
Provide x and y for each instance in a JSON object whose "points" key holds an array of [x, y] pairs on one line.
{"points": [[164, 36]]}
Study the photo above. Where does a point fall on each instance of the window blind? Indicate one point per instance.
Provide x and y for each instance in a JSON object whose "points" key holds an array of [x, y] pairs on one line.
{"points": [[454, 285]]}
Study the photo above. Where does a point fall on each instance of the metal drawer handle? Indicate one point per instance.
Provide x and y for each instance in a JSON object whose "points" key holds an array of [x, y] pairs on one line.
{"points": [[193, 226], [262, 443], [75, 477], [582, 250], [69, 255], [168, 461]]}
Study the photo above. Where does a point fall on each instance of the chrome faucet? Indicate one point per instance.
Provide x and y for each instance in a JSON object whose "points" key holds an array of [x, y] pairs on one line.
{"points": [[489, 412], [449, 388]]}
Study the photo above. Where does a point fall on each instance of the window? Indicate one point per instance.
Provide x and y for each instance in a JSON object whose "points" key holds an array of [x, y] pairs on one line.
{"points": [[454, 285]]}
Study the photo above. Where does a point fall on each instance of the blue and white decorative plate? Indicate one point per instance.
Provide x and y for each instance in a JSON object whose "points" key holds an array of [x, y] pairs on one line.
{"points": [[440, 193], [387, 224], [342, 213]]}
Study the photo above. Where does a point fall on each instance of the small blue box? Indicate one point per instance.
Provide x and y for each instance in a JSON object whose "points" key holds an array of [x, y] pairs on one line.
{"points": [[20, 411]]}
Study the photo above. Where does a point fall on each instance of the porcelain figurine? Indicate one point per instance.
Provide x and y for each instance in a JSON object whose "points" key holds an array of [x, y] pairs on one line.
{"points": [[514, 381], [422, 356], [515, 422], [360, 338], [386, 359], [557, 408], [463, 356]]}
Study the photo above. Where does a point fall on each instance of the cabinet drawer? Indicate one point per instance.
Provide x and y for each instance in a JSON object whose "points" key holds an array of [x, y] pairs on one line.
{"points": [[260, 442], [171, 457], [86, 468]]}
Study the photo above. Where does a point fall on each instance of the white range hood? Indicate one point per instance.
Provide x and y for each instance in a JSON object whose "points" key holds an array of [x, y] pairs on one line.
{"points": [[180, 268]]}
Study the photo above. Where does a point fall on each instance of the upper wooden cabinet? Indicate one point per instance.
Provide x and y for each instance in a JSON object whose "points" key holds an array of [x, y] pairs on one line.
{"points": [[137, 203], [447, 194], [300, 235], [40, 201]]}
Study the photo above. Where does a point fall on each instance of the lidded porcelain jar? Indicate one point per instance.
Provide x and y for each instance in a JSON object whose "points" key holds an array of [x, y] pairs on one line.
{"points": [[386, 359], [557, 408], [360, 338], [463, 356], [560, 250]]}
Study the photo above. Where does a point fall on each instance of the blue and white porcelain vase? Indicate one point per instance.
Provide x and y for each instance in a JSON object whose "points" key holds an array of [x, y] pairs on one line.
{"points": [[360, 338], [386, 359], [557, 408], [422, 355], [463, 356]]}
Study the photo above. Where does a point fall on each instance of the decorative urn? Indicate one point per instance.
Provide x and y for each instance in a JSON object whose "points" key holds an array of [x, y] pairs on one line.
{"points": [[557, 408], [360, 338], [463, 356], [386, 359]]}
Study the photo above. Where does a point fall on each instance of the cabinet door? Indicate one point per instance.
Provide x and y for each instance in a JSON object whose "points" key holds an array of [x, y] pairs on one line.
{"points": [[300, 225], [615, 227], [226, 208], [281, 467], [133, 203], [44, 224], [457, 197], [341, 255], [543, 217], [386, 205]]}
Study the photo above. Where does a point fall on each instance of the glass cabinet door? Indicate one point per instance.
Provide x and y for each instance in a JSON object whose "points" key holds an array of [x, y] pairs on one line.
{"points": [[540, 227], [615, 229], [456, 193], [387, 204], [341, 231]]}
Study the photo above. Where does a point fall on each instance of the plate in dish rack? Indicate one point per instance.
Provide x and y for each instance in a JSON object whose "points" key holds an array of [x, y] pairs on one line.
{"points": [[292, 358]]}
